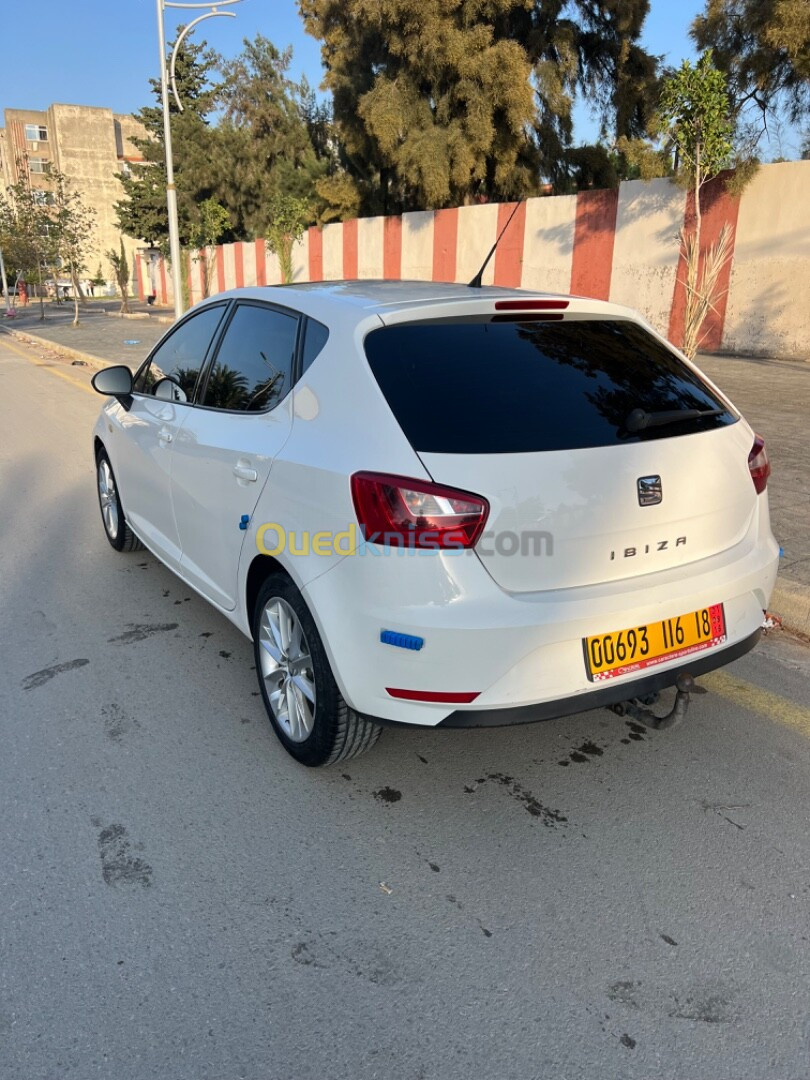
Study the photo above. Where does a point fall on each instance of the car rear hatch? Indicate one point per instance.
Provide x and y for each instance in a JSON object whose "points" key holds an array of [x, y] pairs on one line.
{"points": [[603, 456]]}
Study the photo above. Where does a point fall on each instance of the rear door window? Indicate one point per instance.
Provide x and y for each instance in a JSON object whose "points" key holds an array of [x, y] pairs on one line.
{"points": [[481, 387], [252, 370]]}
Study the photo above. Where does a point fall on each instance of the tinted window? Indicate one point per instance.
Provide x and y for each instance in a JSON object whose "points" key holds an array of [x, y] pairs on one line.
{"points": [[316, 337], [478, 387], [253, 368], [181, 355]]}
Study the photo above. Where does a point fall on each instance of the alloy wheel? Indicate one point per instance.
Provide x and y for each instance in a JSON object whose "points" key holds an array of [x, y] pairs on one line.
{"points": [[108, 497], [286, 665]]}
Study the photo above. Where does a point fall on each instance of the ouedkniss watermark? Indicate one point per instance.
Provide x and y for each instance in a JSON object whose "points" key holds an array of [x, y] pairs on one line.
{"points": [[273, 539]]}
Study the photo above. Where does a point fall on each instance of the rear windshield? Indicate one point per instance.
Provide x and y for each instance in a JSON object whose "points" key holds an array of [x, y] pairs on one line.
{"points": [[479, 387]]}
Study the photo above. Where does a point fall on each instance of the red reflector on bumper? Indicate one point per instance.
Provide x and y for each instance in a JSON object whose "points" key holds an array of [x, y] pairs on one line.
{"points": [[439, 696]]}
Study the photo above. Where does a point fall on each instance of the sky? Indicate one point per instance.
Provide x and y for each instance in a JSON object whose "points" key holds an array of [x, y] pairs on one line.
{"points": [[88, 54]]}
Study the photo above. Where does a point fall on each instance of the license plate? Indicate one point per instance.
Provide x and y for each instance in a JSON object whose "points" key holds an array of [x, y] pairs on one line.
{"points": [[609, 655]]}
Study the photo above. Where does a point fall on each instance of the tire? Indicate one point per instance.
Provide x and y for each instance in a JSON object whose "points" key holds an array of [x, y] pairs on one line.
{"points": [[306, 709], [116, 529]]}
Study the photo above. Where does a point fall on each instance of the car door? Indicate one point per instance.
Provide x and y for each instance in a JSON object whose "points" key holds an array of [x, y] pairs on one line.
{"points": [[161, 402], [225, 449]]}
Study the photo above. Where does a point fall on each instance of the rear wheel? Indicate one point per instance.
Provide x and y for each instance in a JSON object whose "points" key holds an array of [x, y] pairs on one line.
{"points": [[121, 537], [305, 706]]}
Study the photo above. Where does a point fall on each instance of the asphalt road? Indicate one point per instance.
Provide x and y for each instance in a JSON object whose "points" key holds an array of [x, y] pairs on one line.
{"points": [[179, 900]]}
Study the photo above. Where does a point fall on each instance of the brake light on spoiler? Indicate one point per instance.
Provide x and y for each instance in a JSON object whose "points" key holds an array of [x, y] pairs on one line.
{"points": [[529, 310], [531, 305]]}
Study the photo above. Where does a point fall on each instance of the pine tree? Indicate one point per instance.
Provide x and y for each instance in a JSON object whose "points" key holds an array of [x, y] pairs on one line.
{"points": [[266, 137], [263, 144], [142, 213], [763, 46], [440, 104]]}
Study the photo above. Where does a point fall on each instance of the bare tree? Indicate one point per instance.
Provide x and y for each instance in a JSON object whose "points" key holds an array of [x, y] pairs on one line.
{"points": [[73, 224]]}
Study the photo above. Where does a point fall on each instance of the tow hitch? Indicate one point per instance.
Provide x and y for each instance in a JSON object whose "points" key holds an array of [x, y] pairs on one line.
{"points": [[641, 708]]}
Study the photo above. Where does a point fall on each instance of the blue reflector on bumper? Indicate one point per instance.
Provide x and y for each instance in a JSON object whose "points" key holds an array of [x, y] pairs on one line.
{"points": [[402, 641]]}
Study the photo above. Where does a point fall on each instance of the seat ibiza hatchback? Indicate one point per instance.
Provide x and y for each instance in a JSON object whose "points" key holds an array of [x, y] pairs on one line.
{"points": [[439, 505]]}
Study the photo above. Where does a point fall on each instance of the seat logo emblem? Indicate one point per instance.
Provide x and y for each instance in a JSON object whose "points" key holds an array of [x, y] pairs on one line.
{"points": [[649, 490]]}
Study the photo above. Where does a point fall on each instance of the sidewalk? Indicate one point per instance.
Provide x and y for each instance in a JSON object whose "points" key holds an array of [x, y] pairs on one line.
{"points": [[774, 396], [102, 336]]}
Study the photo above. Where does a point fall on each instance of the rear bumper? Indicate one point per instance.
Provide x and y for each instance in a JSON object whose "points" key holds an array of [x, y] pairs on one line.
{"points": [[599, 699], [521, 655]]}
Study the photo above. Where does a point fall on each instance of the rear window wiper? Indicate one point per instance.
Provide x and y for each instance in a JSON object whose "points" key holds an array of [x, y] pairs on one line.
{"points": [[639, 420]]}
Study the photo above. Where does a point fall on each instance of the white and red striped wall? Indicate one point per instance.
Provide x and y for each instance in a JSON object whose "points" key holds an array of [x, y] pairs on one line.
{"points": [[618, 245]]}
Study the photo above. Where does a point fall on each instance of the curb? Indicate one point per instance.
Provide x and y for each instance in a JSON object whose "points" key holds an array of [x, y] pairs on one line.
{"points": [[166, 320], [62, 350], [791, 602]]}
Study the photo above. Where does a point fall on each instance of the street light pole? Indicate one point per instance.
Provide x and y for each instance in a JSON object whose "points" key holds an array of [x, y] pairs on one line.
{"points": [[171, 190]]}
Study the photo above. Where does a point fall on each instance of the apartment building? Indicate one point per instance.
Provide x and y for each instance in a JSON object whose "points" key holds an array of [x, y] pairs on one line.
{"points": [[89, 145]]}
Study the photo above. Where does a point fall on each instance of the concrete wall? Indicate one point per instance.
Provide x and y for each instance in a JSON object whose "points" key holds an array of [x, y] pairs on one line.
{"points": [[645, 249], [768, 308], [617, 245]]}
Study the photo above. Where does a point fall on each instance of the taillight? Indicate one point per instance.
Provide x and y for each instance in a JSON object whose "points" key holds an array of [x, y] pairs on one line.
{"points": [[399, 512], [758, 465]]}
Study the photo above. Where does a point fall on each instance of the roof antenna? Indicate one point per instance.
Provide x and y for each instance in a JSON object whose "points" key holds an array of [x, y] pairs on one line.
{"points": [[477, 280]]}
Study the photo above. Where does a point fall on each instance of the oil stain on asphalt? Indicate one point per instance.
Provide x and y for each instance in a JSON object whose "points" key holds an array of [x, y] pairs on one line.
{"points": [[583, 753], [706, 1005], [41, 677], [141, 631], [548, 817], [388, 795]]}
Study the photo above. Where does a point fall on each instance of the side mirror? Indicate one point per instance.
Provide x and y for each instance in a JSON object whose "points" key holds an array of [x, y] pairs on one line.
{"points": [[113, 381]]}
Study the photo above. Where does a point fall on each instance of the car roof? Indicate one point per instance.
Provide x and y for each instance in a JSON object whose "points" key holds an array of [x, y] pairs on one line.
{"points": [[373, 295], [357, 300]]}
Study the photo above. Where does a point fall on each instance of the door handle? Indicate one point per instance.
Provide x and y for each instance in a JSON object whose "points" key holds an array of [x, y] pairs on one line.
{"points": [[165, 437], [244, 473]]}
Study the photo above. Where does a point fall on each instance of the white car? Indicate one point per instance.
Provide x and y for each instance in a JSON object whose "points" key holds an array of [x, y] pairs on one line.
{"points": [[440, 505]]}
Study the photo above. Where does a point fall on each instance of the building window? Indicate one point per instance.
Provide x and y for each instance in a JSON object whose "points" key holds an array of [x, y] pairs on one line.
{"points": [[36, 133], [38, 165], [42, 198]]}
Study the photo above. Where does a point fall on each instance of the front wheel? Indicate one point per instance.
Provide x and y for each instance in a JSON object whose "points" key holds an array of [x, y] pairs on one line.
{"points": [[303, 702], [121, 537]]}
